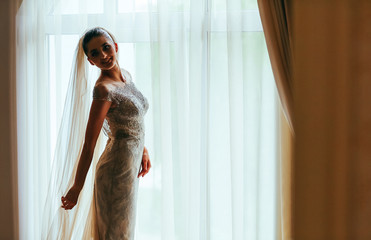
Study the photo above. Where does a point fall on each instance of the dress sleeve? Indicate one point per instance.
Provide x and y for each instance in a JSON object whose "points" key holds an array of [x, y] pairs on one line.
{"points": [[102, 93]]}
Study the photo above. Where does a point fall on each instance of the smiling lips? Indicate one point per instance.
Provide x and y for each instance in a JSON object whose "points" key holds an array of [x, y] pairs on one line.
{"points": [[109, 61]]}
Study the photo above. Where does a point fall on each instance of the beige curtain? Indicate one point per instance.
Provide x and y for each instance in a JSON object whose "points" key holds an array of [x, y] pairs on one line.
{"points": [[8, 123], [284, 198], [276, 24], [332, 174]]}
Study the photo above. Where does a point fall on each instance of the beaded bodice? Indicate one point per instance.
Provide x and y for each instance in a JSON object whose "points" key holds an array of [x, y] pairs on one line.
{"points": [[125, 120]]}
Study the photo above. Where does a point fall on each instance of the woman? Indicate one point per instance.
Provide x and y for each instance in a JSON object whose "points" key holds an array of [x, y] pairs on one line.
{"points": [[119, 107]]}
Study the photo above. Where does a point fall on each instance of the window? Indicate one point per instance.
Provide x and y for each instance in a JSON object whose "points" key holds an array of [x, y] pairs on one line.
{"points": [[212, 124]]}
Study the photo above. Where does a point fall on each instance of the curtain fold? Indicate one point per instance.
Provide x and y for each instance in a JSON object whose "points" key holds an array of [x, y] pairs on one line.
{"points": [[284, 203], [275, 17], [211, 129]]}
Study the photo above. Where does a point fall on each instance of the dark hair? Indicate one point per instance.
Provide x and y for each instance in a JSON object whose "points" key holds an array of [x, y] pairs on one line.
{"points": [[95, 32]]}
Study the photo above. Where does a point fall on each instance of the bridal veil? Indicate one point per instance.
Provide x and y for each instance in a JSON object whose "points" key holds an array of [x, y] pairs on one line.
{"points": [[77, 223]]}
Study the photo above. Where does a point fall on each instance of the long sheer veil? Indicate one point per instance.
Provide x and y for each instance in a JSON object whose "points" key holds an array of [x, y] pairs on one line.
{"points": [[76, 223]]}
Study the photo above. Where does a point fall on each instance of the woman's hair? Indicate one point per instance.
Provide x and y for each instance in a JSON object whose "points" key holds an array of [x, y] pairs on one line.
{"points": [[95, 32]]}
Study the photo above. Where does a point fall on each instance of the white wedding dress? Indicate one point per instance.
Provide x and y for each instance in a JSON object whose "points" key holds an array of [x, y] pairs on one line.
{"points": [[116, 181]]}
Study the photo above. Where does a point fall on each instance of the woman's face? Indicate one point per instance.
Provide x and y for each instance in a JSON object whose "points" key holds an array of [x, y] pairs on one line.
{"points": [[102, 52]]}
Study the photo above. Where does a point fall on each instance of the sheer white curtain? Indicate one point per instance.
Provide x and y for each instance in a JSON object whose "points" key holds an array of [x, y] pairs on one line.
{"points": [[211, 129]]}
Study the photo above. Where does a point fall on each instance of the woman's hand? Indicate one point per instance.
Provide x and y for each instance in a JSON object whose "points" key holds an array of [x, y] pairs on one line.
{"points": [[146, 164], [70, 200]]}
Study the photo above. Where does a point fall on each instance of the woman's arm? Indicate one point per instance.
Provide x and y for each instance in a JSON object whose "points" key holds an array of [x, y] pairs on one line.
{"points": [[97, 114]]}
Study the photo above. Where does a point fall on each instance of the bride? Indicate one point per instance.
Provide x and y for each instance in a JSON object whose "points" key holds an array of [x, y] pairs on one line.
{"points": [[119, 107]]}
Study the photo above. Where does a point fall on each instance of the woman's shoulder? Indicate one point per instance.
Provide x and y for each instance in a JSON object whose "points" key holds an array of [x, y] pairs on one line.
{"points": [[104, 88], [103, 84], [102, 91]]}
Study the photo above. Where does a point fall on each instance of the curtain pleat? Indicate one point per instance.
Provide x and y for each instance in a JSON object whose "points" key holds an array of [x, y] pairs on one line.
{"points": [[275, 16], [276, 22]]}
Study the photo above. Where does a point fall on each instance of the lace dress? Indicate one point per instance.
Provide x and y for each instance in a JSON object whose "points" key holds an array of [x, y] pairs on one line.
{"points": [[116, 181]]}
